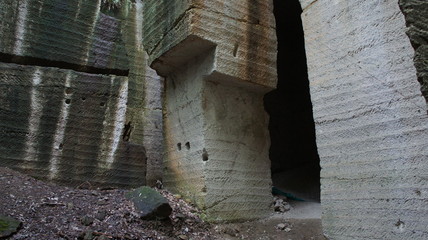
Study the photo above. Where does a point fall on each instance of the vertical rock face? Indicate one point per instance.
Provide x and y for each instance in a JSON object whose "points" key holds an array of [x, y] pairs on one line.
{"points": [[74, 33], [416, 14], [242, 31], [218, 58], [371, 120], [74, 77]]}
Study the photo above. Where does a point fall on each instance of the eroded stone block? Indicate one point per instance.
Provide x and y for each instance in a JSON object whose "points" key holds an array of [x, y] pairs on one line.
{"points": [[72, 33], [242, 31], [219, 59], [67, 126], [371, 121]]}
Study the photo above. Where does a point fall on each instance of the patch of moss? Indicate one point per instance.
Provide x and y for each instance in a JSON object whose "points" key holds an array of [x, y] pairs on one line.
{"points": [[111, 4], [8, 226], [3, 225]]}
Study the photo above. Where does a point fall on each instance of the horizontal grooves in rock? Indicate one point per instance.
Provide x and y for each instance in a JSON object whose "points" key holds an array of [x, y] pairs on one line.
{"points": [[242, 31], [32, 61], [371, 121], [79, 38], [78, 150]]}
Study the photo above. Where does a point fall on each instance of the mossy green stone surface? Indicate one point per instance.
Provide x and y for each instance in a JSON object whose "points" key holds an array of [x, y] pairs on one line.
{"points": [[150, 203], [8, 226]]}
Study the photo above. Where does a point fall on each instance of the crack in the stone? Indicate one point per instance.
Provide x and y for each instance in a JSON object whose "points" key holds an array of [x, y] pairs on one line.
{"points": [[309, 5], [41, 62]]}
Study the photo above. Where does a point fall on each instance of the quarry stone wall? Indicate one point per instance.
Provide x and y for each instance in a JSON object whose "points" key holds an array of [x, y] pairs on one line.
{"points": [[218, 59], [78, 101], [371, 120]]}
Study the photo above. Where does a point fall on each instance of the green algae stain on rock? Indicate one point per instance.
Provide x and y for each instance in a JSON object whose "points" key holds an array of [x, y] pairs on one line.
{"points": [[150, 203], [8, 226]]}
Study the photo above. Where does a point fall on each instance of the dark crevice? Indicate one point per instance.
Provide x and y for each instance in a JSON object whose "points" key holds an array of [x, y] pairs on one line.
{"points": [[33, 61], [127, 132], [293, 152], [415, 13]]}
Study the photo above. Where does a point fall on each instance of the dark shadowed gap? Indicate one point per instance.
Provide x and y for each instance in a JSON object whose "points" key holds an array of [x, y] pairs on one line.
{"points": [[293, 153]]}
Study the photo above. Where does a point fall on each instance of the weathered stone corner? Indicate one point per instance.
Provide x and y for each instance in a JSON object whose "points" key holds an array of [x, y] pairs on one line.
{"points": [[217, 70]]}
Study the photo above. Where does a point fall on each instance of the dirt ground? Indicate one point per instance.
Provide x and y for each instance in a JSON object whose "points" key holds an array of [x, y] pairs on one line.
{"points": [[49, 211]]}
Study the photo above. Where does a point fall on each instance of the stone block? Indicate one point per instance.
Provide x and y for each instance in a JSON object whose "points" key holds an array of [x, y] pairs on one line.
{"points": [[150, 203], [67, 126], [90, 109], [371, 121], [8, 226], [242, 32], [54, 32], [217, 142]]}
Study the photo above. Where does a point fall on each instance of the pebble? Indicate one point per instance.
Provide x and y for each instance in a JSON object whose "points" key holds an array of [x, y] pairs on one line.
{"points": [[101, 215], [70, 205], [281, 226], [87, 220], [284, 227], [281, 206], [182, 237]]}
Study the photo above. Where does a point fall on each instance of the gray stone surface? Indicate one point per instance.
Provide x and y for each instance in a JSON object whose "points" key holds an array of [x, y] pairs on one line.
{"points": [[153, 126], [216, 143], [416, 15], [150, 203], [242, 31], [63, 116], [371, 120], [8, 226], [66, 126], [74, 31], [217, 68]]}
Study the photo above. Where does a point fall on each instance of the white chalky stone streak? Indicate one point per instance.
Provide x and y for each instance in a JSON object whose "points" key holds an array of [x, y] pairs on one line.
{"points": [[119, 121], [20, 27], [36, 107], [60, 130]]}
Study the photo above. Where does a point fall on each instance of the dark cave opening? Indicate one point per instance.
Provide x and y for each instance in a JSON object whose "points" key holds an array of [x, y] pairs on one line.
{"points": [[293, 152]]}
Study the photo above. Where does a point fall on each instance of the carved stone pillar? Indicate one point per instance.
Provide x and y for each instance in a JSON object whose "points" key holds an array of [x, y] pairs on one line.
{"points": [[219, 59]]}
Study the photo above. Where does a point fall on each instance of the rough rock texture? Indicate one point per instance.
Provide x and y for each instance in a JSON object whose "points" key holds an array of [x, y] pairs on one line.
{"points": [[54, 120], [74, 32], [371, 120], [217, 144], [150, 203], [78, 93], [243, 32], [153, 125], [144, 113], [8, 226], [218, 58], [416, 14]]}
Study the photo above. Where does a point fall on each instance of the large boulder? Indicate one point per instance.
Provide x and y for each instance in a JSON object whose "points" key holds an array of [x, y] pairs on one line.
{"points": [[8, 226], [150, 203]]}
